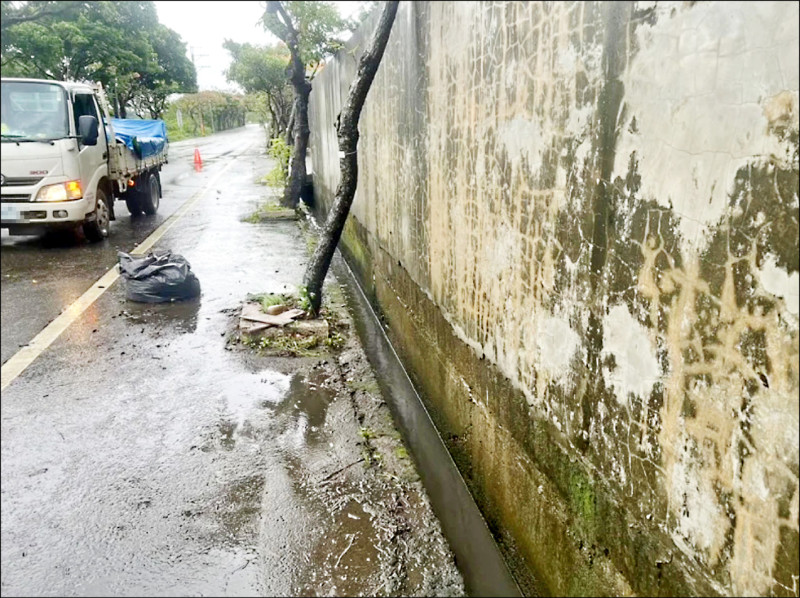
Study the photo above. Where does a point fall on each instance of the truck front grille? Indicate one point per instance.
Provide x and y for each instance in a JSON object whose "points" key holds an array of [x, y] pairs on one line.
{"points": [[21, 181], [15, 198]]}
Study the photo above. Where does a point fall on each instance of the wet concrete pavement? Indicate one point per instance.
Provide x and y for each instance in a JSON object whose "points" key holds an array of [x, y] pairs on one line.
{"points": [[143, 454]]}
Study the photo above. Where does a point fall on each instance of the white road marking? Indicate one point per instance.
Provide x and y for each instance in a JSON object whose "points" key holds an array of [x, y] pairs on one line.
{"points": [[25, 356]]}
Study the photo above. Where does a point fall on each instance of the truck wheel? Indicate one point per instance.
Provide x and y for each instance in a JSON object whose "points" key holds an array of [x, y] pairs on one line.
{"points": [[133, 201], [150, 197], [97, 229]]}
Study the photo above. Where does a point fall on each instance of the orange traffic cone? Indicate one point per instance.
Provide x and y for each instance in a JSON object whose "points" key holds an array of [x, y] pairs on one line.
{"points": [[198, 161]]}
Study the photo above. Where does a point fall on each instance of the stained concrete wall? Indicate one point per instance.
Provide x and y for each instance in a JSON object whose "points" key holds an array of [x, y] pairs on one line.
{"points": [[580, 223]]}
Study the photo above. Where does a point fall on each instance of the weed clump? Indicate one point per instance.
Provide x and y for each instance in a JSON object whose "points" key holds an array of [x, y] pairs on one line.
{"points": [[289, 341], [281, 152]]}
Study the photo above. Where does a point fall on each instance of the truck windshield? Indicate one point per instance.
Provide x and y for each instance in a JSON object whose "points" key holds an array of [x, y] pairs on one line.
{"points": [[33, 110]]}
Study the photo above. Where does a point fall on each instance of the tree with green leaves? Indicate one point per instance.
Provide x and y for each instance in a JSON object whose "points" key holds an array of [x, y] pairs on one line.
{"points": [[261, 72], [119, 44], [347, 133], [211, 111], [172, 73], [310, 31], [14, 13]]}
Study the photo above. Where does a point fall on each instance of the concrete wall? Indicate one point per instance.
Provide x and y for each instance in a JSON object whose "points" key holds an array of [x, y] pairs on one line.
{"points": [[580, 222]]}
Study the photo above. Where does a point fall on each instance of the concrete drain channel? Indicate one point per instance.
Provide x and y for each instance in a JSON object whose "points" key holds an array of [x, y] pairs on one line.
{"points": [[477, 555]]}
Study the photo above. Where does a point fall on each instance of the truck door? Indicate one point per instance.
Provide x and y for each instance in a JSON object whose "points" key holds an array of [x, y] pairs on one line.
{"points": [[92, 158]]}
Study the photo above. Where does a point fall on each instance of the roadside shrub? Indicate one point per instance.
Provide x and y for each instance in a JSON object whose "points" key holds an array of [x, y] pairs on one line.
{"points": [[281, 153]]}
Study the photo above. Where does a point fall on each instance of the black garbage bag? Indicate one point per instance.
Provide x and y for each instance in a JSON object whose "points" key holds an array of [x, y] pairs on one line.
{"points": [[157, 277]]}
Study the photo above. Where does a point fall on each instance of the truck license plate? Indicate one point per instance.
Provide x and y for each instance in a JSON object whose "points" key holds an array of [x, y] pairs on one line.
{"points": [[9, 213]]}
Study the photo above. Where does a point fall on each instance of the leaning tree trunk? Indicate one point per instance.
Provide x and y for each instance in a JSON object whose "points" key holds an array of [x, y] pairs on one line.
{"points": [[290, 125], [297, 176], [347, 131], [273, 123]]}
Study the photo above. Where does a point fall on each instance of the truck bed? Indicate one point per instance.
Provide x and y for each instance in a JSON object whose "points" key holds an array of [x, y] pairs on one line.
{"points": [[123, 162], [138, 145]]}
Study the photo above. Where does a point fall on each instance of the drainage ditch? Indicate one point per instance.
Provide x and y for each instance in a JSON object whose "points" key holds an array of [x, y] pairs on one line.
{"points": [[477, 555]]}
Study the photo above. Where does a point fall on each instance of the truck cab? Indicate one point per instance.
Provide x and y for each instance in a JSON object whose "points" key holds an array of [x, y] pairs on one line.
{"points": [[54, 160]]}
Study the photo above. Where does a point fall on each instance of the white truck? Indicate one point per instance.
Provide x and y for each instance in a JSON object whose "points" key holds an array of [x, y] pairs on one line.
{"points": [[63, 164]]}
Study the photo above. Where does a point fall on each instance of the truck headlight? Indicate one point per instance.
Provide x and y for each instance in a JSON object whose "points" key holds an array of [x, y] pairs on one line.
{"points": [[60, 192]]}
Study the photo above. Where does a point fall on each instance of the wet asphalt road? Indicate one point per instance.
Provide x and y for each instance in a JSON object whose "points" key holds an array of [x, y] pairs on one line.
{"points": [[43, 275], [140, 457]]}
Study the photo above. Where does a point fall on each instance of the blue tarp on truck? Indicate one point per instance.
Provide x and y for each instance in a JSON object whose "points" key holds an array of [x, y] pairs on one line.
{"points": [[144, 138]]}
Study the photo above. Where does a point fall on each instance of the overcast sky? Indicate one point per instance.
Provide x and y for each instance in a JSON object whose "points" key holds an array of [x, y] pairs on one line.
{"points": [[205, 25]]}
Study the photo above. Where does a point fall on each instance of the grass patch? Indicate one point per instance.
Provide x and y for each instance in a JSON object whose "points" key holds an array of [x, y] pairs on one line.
{"points": [[269, 299], [273, 207], [289, 342], [293, 345], [271, 211]]}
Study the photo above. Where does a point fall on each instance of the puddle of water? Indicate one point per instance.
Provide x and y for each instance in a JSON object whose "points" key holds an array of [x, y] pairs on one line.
{"points": [[298, 403], [305, 406], [180, 316], [266, 389], [244, 402]]}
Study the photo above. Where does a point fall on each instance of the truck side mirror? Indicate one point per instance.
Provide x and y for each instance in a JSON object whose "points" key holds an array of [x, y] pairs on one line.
{"points": [[87, 129]]}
